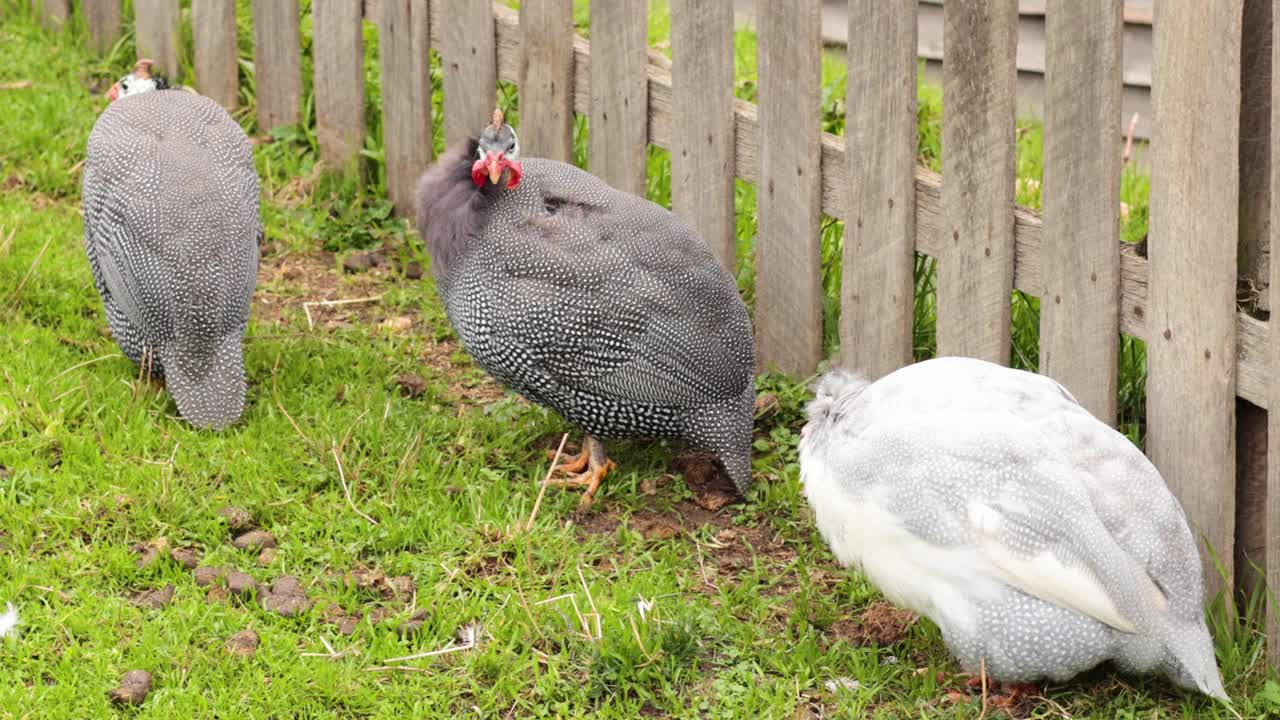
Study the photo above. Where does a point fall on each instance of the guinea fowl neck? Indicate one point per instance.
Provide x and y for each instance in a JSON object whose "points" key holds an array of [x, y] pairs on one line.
{"points": [[451, 207]]}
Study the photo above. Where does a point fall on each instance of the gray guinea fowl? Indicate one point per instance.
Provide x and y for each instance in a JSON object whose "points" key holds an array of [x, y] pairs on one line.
{"points": [[171, 228], [1037, 538], [591, 301]]}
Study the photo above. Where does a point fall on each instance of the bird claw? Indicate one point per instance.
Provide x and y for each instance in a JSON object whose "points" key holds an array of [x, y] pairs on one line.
{"points": [[575, 463], [589, 480]]}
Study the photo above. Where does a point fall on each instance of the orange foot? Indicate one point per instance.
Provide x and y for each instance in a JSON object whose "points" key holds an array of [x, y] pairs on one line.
{"points": [[586, 470]]}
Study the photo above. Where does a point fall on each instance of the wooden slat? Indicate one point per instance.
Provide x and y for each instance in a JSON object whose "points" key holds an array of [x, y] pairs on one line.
{"points": [[546, 79], [1271, 360], [702, 122], [788, 317], [56, 12], [338, 49], [406, 96], [975, 273], [1080, 309], [469, 58], [103, 19], [156, 26], [1191, 381], [878, 292], [1253, 341], [213, 28], [620, 92], [277, 62]]}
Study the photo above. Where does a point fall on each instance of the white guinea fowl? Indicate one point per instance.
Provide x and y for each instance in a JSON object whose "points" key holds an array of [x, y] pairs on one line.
{"points": [[1037, 538]]}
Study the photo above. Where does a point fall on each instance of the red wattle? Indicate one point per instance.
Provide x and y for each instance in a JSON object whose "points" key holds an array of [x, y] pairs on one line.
{"points": [[514, 172], [479, 173]]}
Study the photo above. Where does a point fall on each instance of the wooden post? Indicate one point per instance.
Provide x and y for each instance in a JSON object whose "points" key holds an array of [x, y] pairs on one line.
{"points": [[213, 29], [469, 58], [1272, 533], [156, 27], [878, 294], [788, 319], [1254, 247], [703, 123], [1191, 381], [338, 50], [277, 62], [403, 35], [103, 19], [975, 272], [546, 79], [620, 92], [1080, 307], [56, 13]]}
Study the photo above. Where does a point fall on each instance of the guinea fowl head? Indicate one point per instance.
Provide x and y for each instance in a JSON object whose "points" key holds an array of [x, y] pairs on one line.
{"points": [[498, 152], [139, 81]]}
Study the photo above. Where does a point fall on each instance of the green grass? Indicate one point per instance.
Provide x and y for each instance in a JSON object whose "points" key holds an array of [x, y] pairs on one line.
{"points": [[750, 615]]}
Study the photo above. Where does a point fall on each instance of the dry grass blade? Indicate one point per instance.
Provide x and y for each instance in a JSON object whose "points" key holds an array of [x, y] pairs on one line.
{"points": [[275, 393], [86, 363], [982, 670], [8, 241], [346, 489], [306, 306], [30, 271], [406, 461], [533, 515]]}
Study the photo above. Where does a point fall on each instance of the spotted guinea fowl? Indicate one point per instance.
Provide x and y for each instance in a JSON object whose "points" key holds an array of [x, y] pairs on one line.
{"points": [[1041, 541], [591, 301], [171, 229]]}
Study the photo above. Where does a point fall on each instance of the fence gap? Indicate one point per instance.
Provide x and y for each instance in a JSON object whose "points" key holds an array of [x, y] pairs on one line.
{"points": [[1080, 307], [404, 46], [217, 52], [788, 317], [975, 270], [620, 92], [1191, 381], [338, 50], [546, 79], [156, 25], [469, 60], [703, 123], [103, 19], [277, 63], [878, 288]]}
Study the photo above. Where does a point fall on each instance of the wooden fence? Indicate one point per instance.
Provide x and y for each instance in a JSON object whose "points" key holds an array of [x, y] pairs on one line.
{"points": [[1205, 350]]}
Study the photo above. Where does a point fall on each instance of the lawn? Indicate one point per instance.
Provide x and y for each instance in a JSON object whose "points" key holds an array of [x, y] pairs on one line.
{"points": [[395, 484]]}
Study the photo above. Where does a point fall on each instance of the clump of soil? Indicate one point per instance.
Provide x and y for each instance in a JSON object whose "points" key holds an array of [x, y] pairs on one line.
{"points": [[149, 553], [654, 526], [336, 615], [133, 688], [257, 540], [411, 385], [243, 643], [237, 518], [208, 575], [153, 599], [374, 580], [411, 626], [286, 597], [880, 625], [187, 557], [266, 557], [241, 584], [705, 476]]}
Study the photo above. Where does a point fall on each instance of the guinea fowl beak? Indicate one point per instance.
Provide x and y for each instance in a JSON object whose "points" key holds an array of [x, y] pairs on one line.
{"points": [[494, 167]]}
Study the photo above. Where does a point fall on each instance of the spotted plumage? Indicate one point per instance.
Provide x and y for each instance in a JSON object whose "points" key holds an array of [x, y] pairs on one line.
{"points": [[171, 228], [1040, 540], [591, 301]]}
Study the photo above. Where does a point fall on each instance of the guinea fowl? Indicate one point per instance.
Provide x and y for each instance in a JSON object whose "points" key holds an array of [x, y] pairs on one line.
{"points": [[171, 229], [1041, 541], [591, 301]]}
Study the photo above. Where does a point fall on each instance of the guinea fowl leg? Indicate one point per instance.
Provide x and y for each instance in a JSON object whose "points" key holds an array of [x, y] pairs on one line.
{"points": [[597, 465]]}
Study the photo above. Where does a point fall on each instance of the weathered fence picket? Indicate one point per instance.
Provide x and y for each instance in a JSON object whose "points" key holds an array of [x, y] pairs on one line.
{"points": [[277, 62], [703, 122], [338, 49], [156, 24], [103, 19], [470, 58], [403, 39], [1080, 307], [975, 272], [788, 320], [1271, 534], [878, 290], [56, 12], [217, 54], [546, 79], [619, 92]]}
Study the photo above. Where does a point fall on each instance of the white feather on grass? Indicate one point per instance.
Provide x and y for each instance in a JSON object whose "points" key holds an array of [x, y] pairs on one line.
{"points": [[8, 620]]}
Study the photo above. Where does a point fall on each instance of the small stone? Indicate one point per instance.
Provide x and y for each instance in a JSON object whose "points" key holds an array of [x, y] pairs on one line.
{"points": [[154, 599], [413, 271], [150, 552], [187, 557], [243, 643], [237, 518], [255, 540], [357, 263], [347, 624], [267, 556], [767, 404], [240, 583], [286, 597], [411, 385], [133, 688], [217, 594], [208, 575]]}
